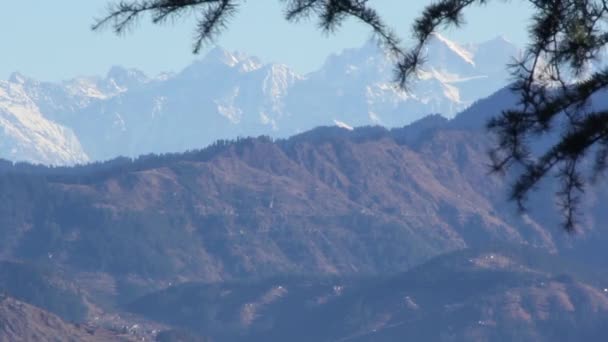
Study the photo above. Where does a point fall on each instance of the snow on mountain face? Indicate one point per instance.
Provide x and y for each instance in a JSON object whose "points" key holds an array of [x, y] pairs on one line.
{"points": [[225, 95], [222, 96], [445, 54], [59, 102], [36, 117], [26, 135], [355, 86]]}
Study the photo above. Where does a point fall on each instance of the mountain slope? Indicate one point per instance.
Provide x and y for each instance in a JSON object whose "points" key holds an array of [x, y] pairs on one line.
{"points": [[489, 294], [334, 203], [329, 201], [23, 322], [43, 288]]}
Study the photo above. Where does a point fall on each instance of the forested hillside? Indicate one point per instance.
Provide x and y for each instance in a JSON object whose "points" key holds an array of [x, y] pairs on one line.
{"points": [[361, 204]]}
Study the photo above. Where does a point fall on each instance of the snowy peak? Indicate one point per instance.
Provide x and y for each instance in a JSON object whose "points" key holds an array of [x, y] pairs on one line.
{"points": [[88, 88], [83, 90], [219, 55], [493, 55], [117, 72], [501, 42], [368, 60], [126, 78], [440, 44], [445, 55], [218, 60]]}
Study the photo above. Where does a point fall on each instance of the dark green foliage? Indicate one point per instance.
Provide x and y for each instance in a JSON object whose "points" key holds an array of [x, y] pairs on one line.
{"points": [[216, 309], [175, 335], [121, 244], [34, 285], [130, 243], [96, 171], [449, 292], [153, 242]]}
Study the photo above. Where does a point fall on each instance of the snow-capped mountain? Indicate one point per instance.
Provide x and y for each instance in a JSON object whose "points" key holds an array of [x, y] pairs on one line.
{"points": [[225, 95], [355, 87], [27, 135], [36, 118]]}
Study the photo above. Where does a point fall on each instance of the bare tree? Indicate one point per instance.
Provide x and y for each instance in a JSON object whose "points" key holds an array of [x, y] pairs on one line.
{"points": [[552, 79]]}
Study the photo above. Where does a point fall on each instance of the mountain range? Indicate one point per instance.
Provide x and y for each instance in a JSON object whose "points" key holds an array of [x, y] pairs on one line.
{"points": [[225, 95], [365, 234], [488, 294], [382, 224], [20, 321]]}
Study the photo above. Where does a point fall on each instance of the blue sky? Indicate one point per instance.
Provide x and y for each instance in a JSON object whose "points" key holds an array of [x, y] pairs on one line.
{"points": [[52, 40]]}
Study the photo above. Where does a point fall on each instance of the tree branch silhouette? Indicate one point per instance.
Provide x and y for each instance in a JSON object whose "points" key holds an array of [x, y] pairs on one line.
{"points": [[552, 77]]}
